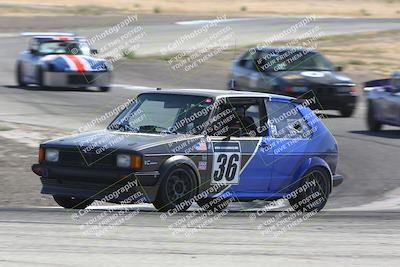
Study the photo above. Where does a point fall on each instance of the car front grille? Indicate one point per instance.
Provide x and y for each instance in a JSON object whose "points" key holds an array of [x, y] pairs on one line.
{"points": [[78, 158], [329, 90], [80, 78]]}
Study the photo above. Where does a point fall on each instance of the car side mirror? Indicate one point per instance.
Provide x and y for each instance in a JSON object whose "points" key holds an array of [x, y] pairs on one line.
{"points": [[94, 51], [232, 84], [339, 68], [33, 51]]}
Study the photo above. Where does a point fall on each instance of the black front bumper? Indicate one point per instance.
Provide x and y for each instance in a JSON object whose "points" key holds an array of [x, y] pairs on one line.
{"points": [[337, 180], [95, 183], [336, 102], [329, 99]]}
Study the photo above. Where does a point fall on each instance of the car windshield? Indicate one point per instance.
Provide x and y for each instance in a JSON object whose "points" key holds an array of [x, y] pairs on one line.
{"points": [[292, 60], [165, 113], [63, 47]]}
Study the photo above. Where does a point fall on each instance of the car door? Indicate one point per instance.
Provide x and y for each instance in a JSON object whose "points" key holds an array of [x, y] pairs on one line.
{"points": [[392, 107], [289, 141], [244, 73], [397, 106], [245, 149], [30, 60]]}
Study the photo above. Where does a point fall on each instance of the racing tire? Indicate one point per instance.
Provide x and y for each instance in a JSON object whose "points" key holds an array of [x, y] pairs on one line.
{"points": [[104, 88], [177, 189], [214, 204], [347, 112], [314, 198], [373, 124], [72, 203], [20, 79]]}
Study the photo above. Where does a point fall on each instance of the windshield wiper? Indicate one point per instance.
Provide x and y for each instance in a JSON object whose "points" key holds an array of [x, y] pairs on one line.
{"points": [[122, 127], [169, 131], [155, 129]]}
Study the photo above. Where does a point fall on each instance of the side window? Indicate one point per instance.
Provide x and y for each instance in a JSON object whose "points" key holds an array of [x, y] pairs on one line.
{"points": [[33, 44], [286, 121], [239, 117], [247, 61]]}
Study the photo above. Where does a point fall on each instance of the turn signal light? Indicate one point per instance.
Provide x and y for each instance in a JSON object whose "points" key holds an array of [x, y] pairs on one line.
{"points": [[289, 89], [354, 89], [136, 162], [41, 154]]}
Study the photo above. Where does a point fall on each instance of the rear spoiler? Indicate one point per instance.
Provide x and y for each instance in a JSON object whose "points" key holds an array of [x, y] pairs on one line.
{"points": [[370, 85], [377, 83]]}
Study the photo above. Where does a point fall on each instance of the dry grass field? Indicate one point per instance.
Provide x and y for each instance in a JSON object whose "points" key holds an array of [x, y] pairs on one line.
{"points": [[358, 8], [374, 53]]}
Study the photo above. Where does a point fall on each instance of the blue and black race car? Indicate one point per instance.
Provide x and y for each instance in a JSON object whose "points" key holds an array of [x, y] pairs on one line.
{"points": [[297, 72], [61, 60], [383, 102], [176, 147]]}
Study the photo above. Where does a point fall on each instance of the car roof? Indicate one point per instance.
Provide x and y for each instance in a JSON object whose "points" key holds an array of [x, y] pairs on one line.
{"points": [[60, 38], [219, 93], [283, 48]]}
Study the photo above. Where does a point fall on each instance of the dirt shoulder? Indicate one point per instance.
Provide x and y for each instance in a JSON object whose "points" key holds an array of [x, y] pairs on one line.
{"points": [[20, 187], [354, 8], [18, 151]]}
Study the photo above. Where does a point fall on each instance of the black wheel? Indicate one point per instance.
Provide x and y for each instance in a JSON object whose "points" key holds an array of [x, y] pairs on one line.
{"points": [[176, 190], [214, 204], [373, 124], [347, 112], [105, 88], [312, 192], [19, 75], [72, 203]]}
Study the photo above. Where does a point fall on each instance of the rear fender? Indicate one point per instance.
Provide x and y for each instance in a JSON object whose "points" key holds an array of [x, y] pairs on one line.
{"points": [[308, 164]]}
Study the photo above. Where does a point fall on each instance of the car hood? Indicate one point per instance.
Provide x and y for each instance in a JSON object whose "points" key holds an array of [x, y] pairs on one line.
{"points": [[312, 77], [77, 63], [113, 140]]}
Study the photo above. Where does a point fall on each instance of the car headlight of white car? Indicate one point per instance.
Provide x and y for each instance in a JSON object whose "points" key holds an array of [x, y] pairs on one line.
{"points": [[51, 155]]}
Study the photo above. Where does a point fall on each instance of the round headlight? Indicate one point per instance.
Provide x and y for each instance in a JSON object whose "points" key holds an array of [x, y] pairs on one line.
{"points": [[51, 155], [123, 161]]}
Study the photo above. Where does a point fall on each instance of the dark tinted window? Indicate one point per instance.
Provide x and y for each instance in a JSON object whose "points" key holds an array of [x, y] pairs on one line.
{"points": [[239, 117], [291, 60], [286, 121]]}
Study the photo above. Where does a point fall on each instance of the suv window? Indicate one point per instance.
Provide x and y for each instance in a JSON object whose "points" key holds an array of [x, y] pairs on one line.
{"points": [[286, 121], [239, 117], [247, 61]]}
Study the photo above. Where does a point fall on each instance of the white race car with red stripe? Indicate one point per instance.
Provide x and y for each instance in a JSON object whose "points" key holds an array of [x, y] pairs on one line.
{"points": [[61, 60]]}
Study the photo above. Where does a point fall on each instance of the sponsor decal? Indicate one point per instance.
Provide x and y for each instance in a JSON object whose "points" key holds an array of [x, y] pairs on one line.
{"points": [[150, 162], [202, 166], [202, 146], [226, 163]]}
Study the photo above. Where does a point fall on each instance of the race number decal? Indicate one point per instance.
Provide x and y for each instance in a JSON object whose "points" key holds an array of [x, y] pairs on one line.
{"points": [[226, 163]]}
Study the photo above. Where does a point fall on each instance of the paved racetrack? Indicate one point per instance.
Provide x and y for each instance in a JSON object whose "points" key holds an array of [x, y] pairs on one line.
{"points": [[359, 227]]}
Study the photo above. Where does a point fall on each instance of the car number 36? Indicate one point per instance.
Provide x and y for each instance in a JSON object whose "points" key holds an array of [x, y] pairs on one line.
{"points": [[226, 168]]}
